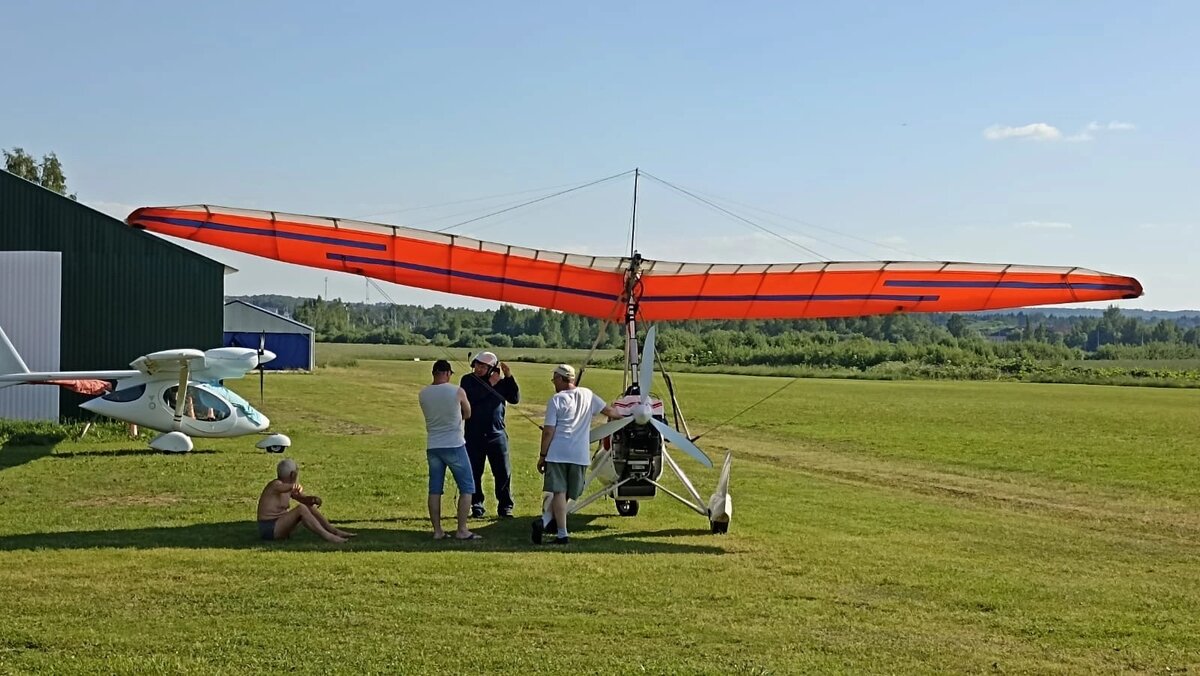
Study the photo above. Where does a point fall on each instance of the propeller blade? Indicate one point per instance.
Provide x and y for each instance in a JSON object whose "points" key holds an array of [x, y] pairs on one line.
{"points": [[681, 442], [608, 428], [647, 373], [262, 349]]}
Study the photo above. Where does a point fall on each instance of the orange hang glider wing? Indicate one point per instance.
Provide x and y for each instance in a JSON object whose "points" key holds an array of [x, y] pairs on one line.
{"points": [[594, 286], [816, 290], [586, 285]]}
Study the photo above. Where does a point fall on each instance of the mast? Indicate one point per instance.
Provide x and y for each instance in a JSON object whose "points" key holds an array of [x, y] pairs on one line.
{"points": [[631, 296]]}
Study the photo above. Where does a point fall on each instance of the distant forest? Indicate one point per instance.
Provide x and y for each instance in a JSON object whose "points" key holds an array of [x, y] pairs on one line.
{"points": [[939, 340]]}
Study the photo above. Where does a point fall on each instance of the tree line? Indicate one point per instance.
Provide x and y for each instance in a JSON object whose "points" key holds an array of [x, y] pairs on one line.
{"points": [[855, 343]]}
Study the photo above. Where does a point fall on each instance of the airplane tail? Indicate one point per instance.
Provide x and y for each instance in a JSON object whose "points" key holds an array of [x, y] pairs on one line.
{"points": [[10, 360]]}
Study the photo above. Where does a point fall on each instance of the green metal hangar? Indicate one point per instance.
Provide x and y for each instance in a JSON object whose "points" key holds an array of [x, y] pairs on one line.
{"points": [[80, 290]]}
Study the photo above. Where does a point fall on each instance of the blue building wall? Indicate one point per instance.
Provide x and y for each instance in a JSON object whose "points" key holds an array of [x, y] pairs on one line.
{"points": [[292, 350]]}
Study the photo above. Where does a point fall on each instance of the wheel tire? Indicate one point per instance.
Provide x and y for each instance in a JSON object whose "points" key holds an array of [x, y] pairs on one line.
{"points": [[274, 449], [627, 507], [719, 527]]}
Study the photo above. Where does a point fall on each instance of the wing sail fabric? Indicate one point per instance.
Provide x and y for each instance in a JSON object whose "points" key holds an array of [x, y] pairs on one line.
{"points": [[585, 285], [816, 290], [593, 286]]}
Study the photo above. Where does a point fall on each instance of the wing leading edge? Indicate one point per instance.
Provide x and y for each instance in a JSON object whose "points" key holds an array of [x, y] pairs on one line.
{"points": [[594, 286]]}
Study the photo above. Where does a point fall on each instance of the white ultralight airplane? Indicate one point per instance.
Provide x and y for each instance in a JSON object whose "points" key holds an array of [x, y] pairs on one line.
{"points": [[147, 395]]}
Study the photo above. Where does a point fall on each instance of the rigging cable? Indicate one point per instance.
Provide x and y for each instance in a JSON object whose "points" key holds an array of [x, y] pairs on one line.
{"points": [[738, 217], [743, 411], [818, 227], [534, 201], [467, 368]]}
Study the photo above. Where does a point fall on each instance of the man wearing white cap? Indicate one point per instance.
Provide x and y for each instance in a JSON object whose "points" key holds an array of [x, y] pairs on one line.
{"points": [[565, 442], [489, 386]]}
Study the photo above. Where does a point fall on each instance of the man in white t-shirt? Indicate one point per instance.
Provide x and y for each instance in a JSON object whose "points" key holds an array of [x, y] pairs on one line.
{"points": [[565, 447], [445, 407]]}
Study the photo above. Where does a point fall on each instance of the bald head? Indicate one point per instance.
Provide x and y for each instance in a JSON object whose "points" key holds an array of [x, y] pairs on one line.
{"points": [[285, 469]]}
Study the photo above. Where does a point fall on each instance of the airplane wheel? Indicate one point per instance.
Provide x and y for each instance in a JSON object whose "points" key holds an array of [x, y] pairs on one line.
{"points": [[274, 449], [719, 527], [627, 507]]}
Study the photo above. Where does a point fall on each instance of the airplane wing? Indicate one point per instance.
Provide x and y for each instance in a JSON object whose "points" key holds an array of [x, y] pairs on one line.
{"points": [[166, 363], [62, 377], [595, 286]]}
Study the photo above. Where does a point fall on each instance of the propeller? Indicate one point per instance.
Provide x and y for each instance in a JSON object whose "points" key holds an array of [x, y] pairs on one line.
{"points": [[262, 348], [643, 413], [647, 373], [681, 442], [608, 428]]}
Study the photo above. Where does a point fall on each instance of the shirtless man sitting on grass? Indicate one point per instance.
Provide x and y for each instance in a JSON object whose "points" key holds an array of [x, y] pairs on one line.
{"points": [[276, 521]]}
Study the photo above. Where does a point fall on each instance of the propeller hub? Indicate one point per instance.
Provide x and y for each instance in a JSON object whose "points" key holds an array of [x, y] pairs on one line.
{"points": [[642, 413]]}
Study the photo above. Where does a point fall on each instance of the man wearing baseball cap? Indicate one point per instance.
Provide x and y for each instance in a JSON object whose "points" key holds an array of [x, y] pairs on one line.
{"points": [[489, 386], [565, 444], [445, 407]]}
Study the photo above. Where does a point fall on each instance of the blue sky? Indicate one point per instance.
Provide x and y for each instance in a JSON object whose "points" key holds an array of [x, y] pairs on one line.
{"points": [[1041, 133]]}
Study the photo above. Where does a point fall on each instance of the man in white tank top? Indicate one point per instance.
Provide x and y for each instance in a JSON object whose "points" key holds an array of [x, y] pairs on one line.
{"points": [[445, 407]]}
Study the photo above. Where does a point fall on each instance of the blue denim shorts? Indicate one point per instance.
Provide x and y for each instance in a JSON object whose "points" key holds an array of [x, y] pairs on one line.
{"points": [[457, 461]]}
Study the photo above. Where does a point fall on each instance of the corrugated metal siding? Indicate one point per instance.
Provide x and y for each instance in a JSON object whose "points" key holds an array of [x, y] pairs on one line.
{"points": [[241, 317], [30, 297], [125, 292]]}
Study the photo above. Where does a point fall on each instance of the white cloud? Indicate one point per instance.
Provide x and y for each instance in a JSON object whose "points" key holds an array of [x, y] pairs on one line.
{"points": [[1043, 225], [1038, 131]]}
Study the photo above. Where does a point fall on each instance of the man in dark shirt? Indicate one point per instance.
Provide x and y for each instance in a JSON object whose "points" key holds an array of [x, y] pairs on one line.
{"points": [[488, 387]]}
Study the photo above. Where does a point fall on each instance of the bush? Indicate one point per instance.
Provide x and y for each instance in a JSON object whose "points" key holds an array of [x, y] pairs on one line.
{"points": [[526, 340]]}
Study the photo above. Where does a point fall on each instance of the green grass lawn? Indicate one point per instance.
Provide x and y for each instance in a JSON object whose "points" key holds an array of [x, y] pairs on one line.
{"points": [[910, 526]]}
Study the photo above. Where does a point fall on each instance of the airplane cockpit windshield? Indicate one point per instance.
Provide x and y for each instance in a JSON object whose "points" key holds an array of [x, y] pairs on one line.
{"points": [[126, 395], [238, 402], [200, 405]]}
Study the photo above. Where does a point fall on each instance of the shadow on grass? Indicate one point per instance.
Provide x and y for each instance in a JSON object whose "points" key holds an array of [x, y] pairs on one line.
{"points": [[499, 536], [125, 451], [13, 455]]}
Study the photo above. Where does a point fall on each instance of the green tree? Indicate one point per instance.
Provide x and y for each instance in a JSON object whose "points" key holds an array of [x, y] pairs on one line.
{"points": [[48, 173], [956, 325]]}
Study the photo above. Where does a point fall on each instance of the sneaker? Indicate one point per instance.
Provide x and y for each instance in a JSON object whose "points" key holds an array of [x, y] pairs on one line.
{"points": [[536, 531], [506, 514], [477, 512], [561, 541]]}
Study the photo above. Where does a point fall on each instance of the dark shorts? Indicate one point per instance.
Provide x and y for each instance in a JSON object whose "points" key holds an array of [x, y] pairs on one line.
{"points": [[564, 477], [266, 528]]}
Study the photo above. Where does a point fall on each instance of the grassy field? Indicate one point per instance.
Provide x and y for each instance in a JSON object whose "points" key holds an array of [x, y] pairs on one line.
{"points": [[879, 527]]}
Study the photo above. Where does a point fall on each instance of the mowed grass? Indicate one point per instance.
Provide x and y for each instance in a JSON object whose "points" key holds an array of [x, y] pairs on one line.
{"points": [[878, 527]]}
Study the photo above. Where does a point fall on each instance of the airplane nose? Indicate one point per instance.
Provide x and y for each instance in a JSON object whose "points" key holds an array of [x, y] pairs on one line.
{"points": [[266, 356]]}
